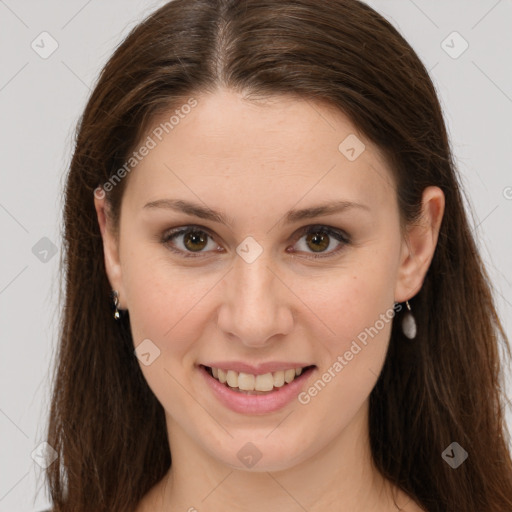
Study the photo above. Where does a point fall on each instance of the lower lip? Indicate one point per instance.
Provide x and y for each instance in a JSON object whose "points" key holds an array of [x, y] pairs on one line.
{"points": [[256, 404]]}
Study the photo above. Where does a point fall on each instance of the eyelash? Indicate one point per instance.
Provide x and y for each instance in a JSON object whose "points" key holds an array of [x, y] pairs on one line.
{"points": [[317, 228]]}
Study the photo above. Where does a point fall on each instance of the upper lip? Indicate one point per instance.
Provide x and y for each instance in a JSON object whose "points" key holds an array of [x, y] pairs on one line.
{"points": [[259, 369]]}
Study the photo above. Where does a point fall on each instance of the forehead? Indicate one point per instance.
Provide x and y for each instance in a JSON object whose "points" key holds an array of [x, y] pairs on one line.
{"points": [[282, 148]]}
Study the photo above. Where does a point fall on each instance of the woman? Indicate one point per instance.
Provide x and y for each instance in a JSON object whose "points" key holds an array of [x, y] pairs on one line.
{"points": [[271, 279]]}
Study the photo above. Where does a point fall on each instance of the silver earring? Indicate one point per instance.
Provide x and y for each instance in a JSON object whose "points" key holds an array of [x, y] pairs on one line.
{"points": [[115, 296], [409, 323]]}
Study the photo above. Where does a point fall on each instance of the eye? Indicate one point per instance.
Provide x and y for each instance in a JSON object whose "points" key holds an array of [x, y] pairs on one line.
{"points": [[195, 240], [320, 237]]}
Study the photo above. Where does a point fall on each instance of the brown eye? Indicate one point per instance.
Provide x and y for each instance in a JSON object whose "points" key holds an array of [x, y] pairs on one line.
{"points": [[319, 241], [194, 240], [319, 238]]}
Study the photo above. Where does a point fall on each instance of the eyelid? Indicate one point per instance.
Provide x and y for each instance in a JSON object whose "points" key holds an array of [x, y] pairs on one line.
{"points": [[340, 235]]}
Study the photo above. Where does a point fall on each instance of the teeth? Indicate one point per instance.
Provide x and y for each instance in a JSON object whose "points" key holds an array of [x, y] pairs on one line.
{"points": [[279, 378], [249, 382], [232, 379], [264, 382], [289, 375], [245, 381]]}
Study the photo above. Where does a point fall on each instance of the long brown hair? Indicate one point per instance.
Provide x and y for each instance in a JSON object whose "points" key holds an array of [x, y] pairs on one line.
{"points": [[447, 386]]}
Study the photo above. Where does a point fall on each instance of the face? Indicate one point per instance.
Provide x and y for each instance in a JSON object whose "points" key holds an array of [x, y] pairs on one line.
{"points": [[261, 283]]}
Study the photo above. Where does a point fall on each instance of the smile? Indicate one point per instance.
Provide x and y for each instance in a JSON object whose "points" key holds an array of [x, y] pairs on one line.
{"points": [[266, 393], [255, 384]]}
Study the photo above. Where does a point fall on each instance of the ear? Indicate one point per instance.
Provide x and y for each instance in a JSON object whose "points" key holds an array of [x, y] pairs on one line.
{"points": [[419, 246], [110, 244]]}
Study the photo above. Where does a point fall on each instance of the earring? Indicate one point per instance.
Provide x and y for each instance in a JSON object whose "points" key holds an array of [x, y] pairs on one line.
{"points": [[115, 296], [409, 323]]}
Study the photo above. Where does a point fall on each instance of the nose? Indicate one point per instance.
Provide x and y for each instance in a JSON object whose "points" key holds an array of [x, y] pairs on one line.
{"points": [[256, 304]]}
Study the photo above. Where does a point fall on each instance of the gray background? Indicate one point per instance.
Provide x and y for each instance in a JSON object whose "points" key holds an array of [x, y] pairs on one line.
{"points": [[42, 99]]}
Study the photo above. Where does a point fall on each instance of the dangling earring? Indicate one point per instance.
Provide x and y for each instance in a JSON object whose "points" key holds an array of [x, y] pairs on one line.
{"points": [[115, 296], [409, 323]]}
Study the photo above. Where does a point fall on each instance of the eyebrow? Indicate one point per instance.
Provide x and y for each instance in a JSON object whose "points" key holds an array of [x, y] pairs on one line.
{"points": [[291, 216]]}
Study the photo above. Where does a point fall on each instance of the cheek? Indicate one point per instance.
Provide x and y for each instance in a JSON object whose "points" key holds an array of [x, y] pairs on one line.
{"points": [[359, 314], [356, 309], [352, 299], [166, 302], [166, 308]]}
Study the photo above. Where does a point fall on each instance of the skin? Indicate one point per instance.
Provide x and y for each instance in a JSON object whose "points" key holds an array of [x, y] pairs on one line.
{"points": [[254, 161]]}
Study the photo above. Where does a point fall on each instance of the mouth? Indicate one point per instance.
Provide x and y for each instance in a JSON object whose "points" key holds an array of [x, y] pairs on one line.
{"points": [[249, 384]]}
